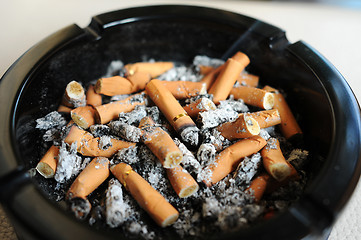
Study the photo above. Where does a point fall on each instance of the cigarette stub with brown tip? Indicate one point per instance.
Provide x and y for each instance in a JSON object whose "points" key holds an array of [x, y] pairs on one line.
{"points": [[289, 126], [254, 96], [154, 69], [117, 85], [247, 79], [228, 160], [266, 118], [94, 174], [258, 186], [74, 95], [200, 105], [162, 212], [274, 161], [185, 89], [173, 111], [92, 98], [110, 111], [227, 77], [84, 117], [160, 143], [48, 163], [182, 182], [243, 127]]}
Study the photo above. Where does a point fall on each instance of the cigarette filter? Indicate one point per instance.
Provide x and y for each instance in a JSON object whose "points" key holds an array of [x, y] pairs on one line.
{"points": [[247, 79], [258, 186], [243, 127], [94, 174], [110, 111], [274, 161], [200, 105], [64, 109], [92, 98], [289, 126], [182, 182], [228, 160], [163, 213], [153, 68], [74, 95], [48, 163], [83, 116], [266, 118], [254, 96], [78, 135], [210, 77], [204, 70], [185, 89], [172, 110], [160, 143]]}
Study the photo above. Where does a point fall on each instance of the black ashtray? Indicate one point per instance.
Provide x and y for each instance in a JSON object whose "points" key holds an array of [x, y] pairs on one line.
{"points": [[316, 92]]}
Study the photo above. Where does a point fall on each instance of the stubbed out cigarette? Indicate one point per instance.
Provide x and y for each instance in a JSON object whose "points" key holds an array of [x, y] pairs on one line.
{"points": [[83, 116], [92, 98], [266, 118], [185, 89], [274, 161], [94, 174], [200, 105], [210, 77], [160, 143], [173, 111], [228, 160], [247, 79], [163, 213], [64, 109], [48, 163], [91, 148], [289, 126], [74, 95], [254, 96], [110, 111], [182, 182], [258, 186], [227, 77], [78, 135], [243, 127], [118, 85], [204, 70], [153, 68]]}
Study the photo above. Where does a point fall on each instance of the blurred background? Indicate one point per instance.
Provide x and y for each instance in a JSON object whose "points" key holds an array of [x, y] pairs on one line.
{"points": [[333, 27]]}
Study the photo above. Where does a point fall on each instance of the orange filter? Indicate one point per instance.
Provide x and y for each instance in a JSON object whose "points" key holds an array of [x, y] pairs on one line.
{"points": [[289, 126], [210, 77], [254, 96], [48, 163], [92, 98], [154, 69], [78, 135], [64, 109], [243, 127], [162, 212], [258, 186], [247, 79], [185, 89], [74, 95], [266, 118], [200, 105], [228, 160], [94, 174], [83, 116], [182, 182], [274, 161]]}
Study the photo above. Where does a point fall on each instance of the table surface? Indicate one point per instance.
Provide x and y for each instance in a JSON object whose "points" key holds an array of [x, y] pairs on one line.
{"points": [[334, 30]]}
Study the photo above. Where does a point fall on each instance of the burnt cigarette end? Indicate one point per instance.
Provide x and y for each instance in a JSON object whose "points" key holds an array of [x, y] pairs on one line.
{"points": [[189, 191], [190, 135], [280, 171], [80, 207], [45, 170]]}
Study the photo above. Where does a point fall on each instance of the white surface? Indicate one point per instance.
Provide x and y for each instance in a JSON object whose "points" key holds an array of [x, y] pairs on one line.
{"points": [[333, 30]]}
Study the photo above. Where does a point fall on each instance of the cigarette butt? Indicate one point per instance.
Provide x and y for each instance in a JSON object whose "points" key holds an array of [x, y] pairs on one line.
{"points": [[91, 148], [274, 184], [226, 78], [211, 76], [74, 95], [258, 186], [77, 135], [48, 163], [153, 68], [92, 98], [94, 174], [254, 96], [204, 70], [160, 143], [139, 80], [162, 212], [110, 111], [274, 161], [185, 89], [228, 160], [200, 105], [289, 126], [172, 110], [243, 127], [182, 182], [266, 118], [64, 109], [83, 116], [247, 79]]}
